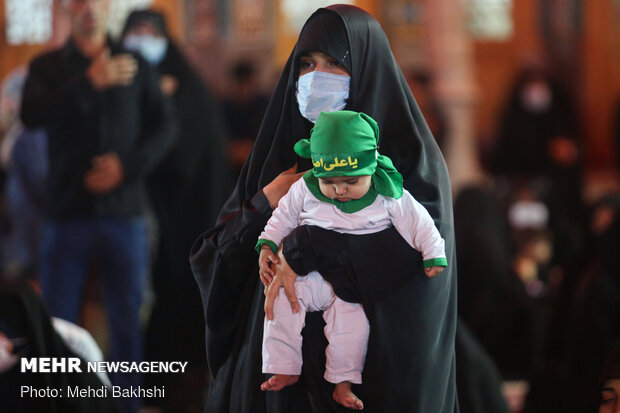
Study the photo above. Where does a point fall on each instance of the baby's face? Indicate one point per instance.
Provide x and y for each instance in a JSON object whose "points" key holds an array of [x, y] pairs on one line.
{"points": [[345, 188]]}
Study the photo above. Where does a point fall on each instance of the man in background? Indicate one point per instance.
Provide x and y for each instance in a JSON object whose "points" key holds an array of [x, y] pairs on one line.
{"points": [[108, 125]]}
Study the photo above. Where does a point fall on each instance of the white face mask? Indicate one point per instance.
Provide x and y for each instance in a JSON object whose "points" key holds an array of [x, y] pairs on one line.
{"points": [[528, 214], [321, 92], [152, 48], [536, 97]]}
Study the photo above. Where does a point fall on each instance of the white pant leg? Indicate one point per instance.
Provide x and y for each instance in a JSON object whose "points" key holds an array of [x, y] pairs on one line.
{"points": [[347, 330], [282, 335]]}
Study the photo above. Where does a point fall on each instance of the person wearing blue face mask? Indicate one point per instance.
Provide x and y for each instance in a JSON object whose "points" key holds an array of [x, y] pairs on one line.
{"points": [[323, 85], [185, 191], [151, 47], [342, 60]]}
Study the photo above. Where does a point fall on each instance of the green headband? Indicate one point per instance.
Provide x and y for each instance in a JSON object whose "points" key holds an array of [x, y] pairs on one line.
{"points": [[344, 143]]}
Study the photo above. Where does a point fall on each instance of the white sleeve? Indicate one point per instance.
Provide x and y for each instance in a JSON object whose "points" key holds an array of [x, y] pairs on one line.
{"points": [[285, 217], [416, 226]]}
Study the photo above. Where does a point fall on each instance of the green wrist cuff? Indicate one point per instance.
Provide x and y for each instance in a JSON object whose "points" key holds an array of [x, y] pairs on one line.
{"points": [[436, 262], [272, 245]]}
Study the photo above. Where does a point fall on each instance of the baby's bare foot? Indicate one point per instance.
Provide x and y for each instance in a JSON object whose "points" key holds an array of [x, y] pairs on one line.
{"points": [[279, 381], [344, 396]]}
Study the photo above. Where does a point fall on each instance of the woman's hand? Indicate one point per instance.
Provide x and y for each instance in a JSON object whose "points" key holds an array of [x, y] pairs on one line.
{"points": [[284, 277], [277, 188], [266, 259]]}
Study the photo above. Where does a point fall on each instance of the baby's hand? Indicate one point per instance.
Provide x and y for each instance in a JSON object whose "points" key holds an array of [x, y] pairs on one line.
{"points": [[433, 271], [265, 259]]}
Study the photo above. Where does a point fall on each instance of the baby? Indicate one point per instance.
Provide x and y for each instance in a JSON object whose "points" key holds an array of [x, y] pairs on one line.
{"points": [[351, 189]]}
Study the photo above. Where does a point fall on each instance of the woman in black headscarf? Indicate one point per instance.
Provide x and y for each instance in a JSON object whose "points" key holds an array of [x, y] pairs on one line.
{"points": [[410, 361], [186, 191], [538, 148]]}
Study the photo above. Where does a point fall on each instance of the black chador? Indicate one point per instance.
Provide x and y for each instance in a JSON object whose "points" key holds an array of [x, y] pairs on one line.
{"points": [[410, 362]]}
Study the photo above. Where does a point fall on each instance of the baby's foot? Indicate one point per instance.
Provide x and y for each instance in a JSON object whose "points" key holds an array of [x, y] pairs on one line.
{"points": [[344, 396], [278, 382]]}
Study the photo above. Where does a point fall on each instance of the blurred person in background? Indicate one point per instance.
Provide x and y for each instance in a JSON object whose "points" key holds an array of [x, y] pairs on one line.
{"points": [[493, 302], [28, 331], [244, 107], [108, 125], [538, 150], [186, 191], [24, 157], [583, 319], [595, 316]]}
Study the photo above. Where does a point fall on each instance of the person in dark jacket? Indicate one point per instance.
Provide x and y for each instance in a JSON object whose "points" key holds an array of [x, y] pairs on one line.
{"points": [[108, 125]]}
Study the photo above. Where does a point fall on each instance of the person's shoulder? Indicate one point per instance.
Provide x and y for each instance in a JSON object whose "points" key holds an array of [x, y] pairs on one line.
{"points": [[50, 57]]}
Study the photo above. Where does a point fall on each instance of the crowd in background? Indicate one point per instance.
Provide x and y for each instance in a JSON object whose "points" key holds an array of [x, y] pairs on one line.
{"points": [[538, 276]]}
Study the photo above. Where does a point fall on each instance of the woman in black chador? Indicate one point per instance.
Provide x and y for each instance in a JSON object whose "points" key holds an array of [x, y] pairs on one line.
{"points": [[186, 191], [410, 361]]}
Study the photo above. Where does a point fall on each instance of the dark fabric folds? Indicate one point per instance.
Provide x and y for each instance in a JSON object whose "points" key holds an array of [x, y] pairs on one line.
{"points": [[363, 273], [326, 34], [410, 365]]}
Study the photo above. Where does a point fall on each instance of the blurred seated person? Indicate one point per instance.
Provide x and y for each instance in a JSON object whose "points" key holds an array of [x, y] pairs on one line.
{"points": [[538, 146], [594, 327], [244, 108], [492, 301], [27, 330]]}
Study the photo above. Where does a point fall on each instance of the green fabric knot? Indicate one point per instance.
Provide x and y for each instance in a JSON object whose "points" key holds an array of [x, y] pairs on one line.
{"points": [[302, 148], [387, 180]]}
